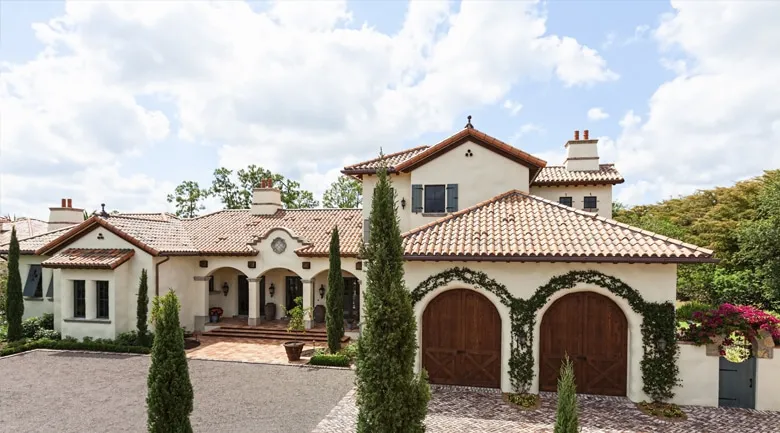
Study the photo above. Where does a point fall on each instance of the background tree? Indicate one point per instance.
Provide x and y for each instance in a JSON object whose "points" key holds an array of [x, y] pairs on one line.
{"points": [[334, 298], [390, 396], [169, 397], [566, 419], [344, 193], [142, 309], [188, 197], [235, 192], [14, 303]]}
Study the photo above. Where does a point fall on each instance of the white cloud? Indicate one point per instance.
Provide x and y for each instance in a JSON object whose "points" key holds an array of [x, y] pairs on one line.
{"points": [[597, 113], [715, 123], [640, 33], [513, 107], [300, 82]]}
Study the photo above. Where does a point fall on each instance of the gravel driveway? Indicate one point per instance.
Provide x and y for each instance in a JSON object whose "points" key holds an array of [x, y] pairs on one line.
{"points": [[84, 392]]}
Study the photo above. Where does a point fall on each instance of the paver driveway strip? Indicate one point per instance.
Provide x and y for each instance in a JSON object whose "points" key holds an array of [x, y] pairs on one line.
{"points": [[457, 410], [67, 392]]}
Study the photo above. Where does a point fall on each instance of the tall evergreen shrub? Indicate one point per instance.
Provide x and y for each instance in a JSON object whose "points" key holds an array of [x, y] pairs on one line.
{"points": [[142, 309], [169, 397], [334, 301], [391, 398], [14, 307], [566, 420]]}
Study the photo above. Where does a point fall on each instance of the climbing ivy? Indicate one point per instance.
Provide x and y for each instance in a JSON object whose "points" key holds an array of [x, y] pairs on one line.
{"points": [[659, 363]]}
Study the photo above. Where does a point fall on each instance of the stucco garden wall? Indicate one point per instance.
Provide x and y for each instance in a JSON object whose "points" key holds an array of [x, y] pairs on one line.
{"points": [[655, 282], [767, 380], [699, 375]]}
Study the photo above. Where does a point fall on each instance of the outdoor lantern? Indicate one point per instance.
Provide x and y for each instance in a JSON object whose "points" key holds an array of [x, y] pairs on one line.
{"points": [[403, 203], [662, 344], [521, 339], [322, 291], [271, 290], [225, 288]]}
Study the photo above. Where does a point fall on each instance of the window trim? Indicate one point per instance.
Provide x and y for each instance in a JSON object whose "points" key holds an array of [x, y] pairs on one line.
{"points": [[83, 289], [595, 202], [443, 210], [566, 201], [98, 300]]}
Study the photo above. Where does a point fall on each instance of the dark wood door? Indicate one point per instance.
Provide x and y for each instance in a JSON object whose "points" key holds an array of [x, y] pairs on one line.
{"points": [[294, 289], [351, 299], [594, 332], [243, 295], [461, 340], [262, 296]]}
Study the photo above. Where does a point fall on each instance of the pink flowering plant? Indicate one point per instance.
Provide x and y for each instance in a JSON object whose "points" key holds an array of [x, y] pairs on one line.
{"points": [[729, 320]]}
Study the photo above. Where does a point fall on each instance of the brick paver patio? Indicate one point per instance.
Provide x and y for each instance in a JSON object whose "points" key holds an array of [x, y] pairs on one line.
{"points": [[245, 350], [459, 410]]}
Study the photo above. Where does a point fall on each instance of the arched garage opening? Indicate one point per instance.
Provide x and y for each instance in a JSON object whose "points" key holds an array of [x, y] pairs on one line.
{"points": [[461, 340], [593, 331]]}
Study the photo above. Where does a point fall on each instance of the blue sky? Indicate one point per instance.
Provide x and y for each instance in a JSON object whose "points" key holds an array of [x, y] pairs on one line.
{"points": [[137, 99]]}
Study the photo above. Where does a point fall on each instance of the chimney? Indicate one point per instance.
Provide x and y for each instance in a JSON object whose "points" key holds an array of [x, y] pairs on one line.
{"points": [[65, 215], [582, 155], [266, 200]]}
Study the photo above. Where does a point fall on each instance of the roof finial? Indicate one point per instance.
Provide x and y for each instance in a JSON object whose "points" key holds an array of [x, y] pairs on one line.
{"points": [[469, 125], [103, 210]]}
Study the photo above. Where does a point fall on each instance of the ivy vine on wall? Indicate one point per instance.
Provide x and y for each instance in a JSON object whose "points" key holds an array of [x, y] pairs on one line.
{"points": [[659, 361]]}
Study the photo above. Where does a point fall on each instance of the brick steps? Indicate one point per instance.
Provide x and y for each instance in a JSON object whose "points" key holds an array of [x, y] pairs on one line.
{"points": [[270, 334]]}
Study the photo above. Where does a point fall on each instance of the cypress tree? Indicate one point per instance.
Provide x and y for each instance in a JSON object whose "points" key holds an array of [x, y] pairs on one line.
{"points": [[334, 300], [141, 310], [566, 418], [169, 397], [14, 303], [391, 398]]}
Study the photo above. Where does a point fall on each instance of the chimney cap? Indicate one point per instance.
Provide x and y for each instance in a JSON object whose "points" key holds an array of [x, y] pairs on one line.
{"points": [[576, 134], [585, 134]]}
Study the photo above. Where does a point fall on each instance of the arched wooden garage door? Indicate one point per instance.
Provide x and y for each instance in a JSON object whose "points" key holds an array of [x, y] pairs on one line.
{"points": [[461, 341], [594, 332]]}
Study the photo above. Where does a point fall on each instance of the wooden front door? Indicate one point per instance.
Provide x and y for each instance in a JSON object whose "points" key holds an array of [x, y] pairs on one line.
{"points": [[294, 288], [351, 299], [461, 340], [262, 296], [594, 332], [243, 295]]}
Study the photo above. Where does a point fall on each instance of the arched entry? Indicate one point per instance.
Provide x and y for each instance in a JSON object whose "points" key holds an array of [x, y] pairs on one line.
{"points": [[461, 340], [593, 330]]}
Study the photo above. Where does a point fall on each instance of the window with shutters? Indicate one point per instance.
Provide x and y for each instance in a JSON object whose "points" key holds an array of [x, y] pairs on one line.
{"points": [[435, 199], [79, 299], [590, 202], [565, 201], [102, 299], [33, 287]]}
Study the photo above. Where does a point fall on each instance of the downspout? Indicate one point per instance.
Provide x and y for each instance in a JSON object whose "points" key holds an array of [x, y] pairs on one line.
{"points": [[157, 276]]}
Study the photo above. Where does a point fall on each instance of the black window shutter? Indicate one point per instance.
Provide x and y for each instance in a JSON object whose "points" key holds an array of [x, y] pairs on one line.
{"points": [[366, 230], [33, 277], [417, 198], [452, 197], [50, 290]]}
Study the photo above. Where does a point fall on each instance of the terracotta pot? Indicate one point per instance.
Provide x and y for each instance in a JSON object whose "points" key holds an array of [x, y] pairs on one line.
{"points": [[270, 311], [319, 314], [293, 349]]}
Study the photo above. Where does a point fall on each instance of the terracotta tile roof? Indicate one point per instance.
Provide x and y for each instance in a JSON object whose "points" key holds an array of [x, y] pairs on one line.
{"points": [[31, 244], [227, 232], [25, 227], [391, 160], [558, 175], [89, 258], [519, 226]]}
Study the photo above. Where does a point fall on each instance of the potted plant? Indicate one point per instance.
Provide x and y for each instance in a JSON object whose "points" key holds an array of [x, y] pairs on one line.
{"points": [[214, 314], [297, 317]]}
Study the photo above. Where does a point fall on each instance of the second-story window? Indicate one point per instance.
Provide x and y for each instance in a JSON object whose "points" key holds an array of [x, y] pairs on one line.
{"points": [[590, 202], [435, 199], [565, 201]]}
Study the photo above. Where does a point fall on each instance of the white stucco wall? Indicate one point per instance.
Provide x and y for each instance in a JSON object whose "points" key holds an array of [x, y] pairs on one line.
{"points": [[603, 194], [90, 326], [699, 375], [656, 283], [402, 183], [767, 379]]}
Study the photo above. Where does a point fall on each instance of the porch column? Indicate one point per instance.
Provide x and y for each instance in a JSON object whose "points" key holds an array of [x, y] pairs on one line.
{"points": [[254, 302], [201, 303], [308, 299]]}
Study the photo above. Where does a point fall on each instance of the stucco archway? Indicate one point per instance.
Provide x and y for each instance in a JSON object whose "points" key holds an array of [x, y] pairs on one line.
{"points": [[279, 287], [351, 301]]}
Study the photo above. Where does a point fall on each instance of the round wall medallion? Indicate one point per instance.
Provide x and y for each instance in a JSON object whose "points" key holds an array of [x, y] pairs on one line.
{"points": [[278, 245]]}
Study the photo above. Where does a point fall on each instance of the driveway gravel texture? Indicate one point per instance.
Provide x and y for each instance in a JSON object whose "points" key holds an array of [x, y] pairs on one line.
{"points": [[45, 391]]}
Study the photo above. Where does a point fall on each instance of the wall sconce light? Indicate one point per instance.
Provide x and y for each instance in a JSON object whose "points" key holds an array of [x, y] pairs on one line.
{"points": [[403, 203], [322, 291], [662, 344], [271, 290], [225, 288], [521, 340]]}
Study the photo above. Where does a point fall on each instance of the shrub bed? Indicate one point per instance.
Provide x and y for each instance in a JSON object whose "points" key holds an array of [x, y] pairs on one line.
{"points": [[662, 410], [523, 401], [70, 345], [336, 360]]}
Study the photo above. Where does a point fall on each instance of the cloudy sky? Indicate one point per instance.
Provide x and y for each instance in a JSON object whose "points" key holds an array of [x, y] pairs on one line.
{"points": [[119, 102]]}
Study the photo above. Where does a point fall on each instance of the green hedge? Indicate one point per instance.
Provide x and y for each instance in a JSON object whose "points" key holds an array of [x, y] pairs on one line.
{"points": [[330, 360], [70, 345]]}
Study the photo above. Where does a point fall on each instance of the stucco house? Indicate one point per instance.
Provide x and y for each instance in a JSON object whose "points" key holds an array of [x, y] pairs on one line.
{"points": [[483, 223]]}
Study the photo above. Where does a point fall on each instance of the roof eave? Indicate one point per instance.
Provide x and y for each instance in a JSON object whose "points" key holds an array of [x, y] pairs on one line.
{"points": [[577, 183], [556, 259]]}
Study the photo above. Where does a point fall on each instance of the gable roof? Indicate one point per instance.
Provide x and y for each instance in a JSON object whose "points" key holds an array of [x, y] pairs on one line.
{"points": [[31, 244], [227, 232], [25, 227], [607, 174], [89, 258], [516, 226], [407, 160]]}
